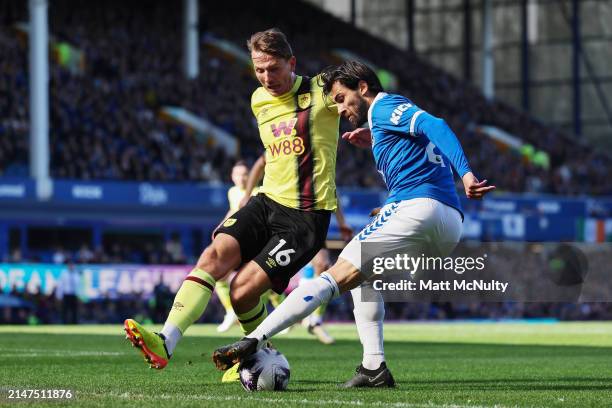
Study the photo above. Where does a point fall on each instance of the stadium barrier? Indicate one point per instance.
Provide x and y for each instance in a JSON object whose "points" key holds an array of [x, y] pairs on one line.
{"points": [[497, 217], [97, 281]]}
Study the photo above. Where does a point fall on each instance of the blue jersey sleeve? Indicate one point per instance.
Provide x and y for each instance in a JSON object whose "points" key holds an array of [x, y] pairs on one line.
{"points": [[443, 137], [394, 114], [399, 115]]}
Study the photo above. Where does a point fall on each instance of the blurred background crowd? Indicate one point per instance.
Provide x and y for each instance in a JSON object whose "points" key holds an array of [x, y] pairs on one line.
{"points": [[105, 120], [106, 124]]}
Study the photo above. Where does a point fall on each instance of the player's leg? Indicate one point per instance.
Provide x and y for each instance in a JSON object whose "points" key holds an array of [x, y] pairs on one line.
{"points": [[295, 237], [304, 299], [276, 299], [369, 317], [249, 296], [223, 292], [423, 226], [344, 275], [267, 273], [235, 242], [299, 236], [320, 263], [273, 298], [315, 324], [401, 226], [222, 256]]}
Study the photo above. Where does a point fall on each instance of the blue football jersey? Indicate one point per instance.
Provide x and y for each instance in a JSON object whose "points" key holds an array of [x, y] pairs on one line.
{"points": [[414, 151]]}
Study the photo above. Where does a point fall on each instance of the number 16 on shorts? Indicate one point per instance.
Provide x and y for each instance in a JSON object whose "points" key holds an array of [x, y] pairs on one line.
{"points": [[280, 256]]}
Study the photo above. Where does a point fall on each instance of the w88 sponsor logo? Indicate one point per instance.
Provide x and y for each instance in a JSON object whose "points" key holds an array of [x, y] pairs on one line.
{"points": [[287, 147], [283, 127]]}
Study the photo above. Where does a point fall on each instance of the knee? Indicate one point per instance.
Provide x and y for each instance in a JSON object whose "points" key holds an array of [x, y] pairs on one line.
{"points": [[209, 259], [218, 259], [221, 257]]}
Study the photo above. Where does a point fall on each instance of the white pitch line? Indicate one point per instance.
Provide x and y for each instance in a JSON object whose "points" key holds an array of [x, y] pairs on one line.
{"points": [[63, 354], [303, 401]]}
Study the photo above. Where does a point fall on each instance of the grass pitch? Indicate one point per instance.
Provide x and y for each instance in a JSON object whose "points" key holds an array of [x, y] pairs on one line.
{"points": [[435, 365]]}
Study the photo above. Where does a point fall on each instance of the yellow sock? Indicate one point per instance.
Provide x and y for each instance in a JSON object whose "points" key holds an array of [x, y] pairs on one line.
{"points": [[320, 311], [191, 299], [316, 317], [276, 299], [265, 297], [253, 318], [223, 292]]}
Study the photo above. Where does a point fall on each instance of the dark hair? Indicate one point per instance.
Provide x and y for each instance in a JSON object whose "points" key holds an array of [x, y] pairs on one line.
{"points": [[271, 41], [241, 163], [349, 73]]}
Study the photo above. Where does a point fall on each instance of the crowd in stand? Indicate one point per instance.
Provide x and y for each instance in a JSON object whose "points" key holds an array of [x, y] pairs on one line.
{"points": [[143, 252], [105, 121], [40, 308], [105, 124], [65, 305]]}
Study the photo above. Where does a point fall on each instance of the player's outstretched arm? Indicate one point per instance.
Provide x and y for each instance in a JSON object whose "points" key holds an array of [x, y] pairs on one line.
{"points": [[475, 189], [445, 139]]}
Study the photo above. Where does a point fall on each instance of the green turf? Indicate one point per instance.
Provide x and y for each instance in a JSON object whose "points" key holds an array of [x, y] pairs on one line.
{"points": [[435, 365]]}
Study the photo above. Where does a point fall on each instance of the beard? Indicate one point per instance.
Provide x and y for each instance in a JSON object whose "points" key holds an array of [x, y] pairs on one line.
{"points": [[362, 112]]}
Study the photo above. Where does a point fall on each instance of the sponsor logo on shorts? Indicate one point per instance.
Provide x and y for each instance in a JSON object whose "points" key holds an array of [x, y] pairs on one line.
{"points": [[178, 306], [229, 222], [271, 263]]}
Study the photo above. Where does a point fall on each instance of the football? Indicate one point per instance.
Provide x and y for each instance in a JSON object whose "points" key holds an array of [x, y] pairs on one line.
{"points": [[266, 370]]}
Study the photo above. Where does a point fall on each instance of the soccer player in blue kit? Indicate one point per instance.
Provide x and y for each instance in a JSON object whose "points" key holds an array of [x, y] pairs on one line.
{"points": [[414, 152]]}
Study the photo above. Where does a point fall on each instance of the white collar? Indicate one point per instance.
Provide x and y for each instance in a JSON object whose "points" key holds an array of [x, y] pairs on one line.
{"points": [[380, 95]]}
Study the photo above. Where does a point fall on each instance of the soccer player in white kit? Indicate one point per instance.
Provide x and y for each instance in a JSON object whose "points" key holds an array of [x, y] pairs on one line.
{"points": [[414, 152]]}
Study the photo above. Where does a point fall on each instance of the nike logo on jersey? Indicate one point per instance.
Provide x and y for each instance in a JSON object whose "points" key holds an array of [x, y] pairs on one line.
{"points": [[397, 113]]}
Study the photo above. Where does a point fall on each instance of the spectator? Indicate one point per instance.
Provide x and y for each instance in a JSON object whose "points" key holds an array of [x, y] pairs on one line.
{"points": [[59, 256], [67, 292], [105, 121]]}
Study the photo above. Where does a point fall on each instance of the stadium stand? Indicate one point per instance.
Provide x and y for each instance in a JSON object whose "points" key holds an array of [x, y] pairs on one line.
{"points": [[105, 121], [106, 125]]}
